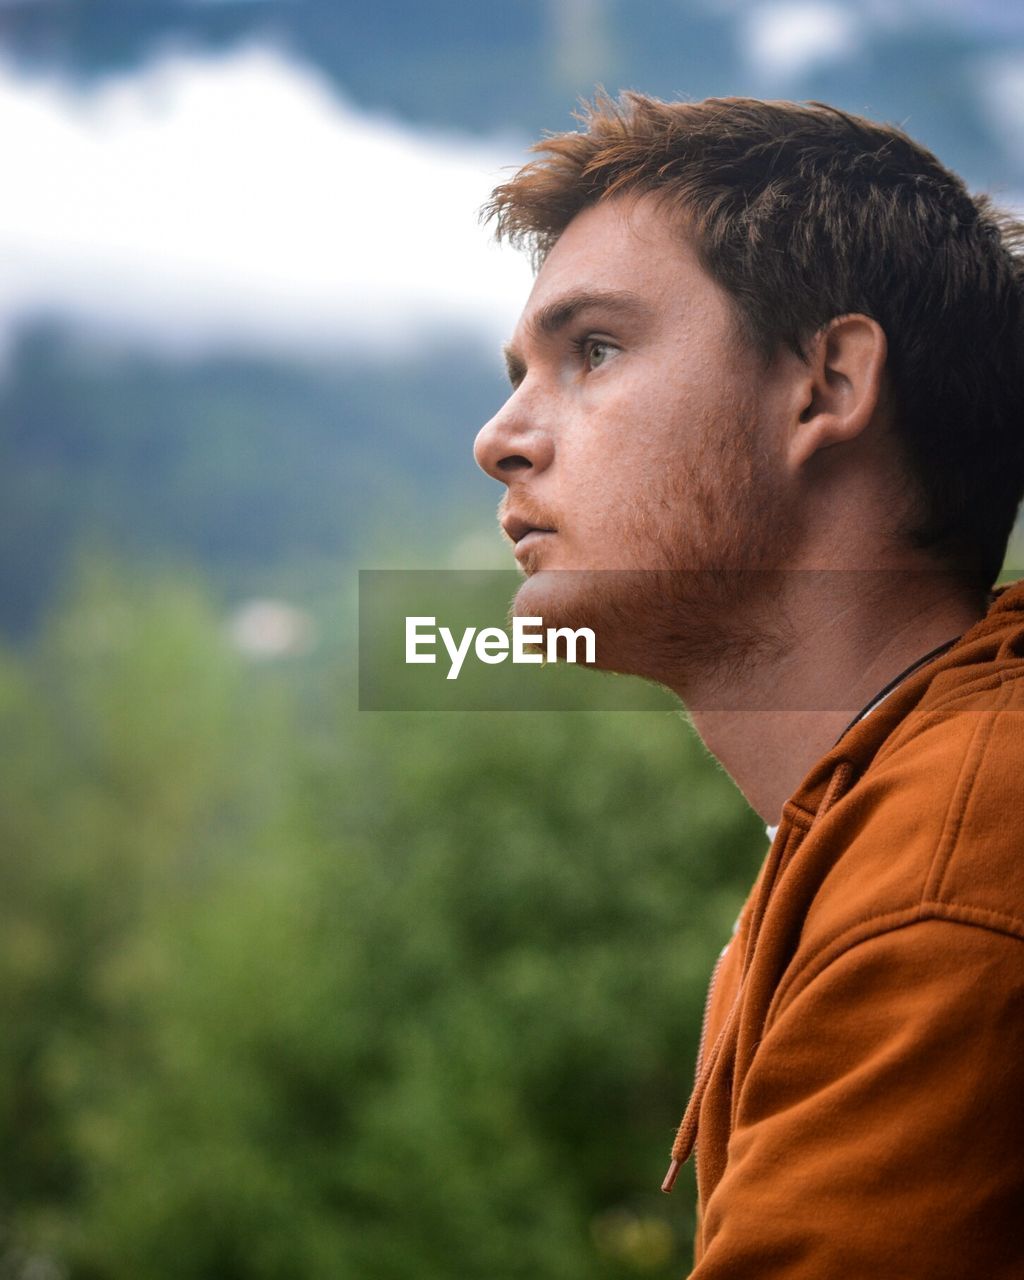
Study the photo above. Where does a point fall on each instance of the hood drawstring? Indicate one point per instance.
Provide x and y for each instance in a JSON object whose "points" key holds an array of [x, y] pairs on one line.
{"points": [[686, 1135], [778, 860]]}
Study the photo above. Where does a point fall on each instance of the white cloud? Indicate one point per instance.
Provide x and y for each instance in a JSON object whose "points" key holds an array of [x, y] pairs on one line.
{"points": [[786, 39], [235, 201], [1000, 84]]}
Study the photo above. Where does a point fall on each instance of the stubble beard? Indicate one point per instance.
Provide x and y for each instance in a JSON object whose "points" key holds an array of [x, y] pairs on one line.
{"points": [[711, 544]]}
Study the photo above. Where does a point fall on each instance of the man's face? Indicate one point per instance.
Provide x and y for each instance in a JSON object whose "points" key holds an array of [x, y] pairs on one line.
{"points": [[639, 437]]}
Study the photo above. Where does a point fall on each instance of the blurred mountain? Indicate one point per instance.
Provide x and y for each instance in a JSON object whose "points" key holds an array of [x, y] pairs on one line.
{"points": [[262, 472]]}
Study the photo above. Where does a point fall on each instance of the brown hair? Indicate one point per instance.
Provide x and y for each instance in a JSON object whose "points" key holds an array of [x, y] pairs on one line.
{"points": [[803, 212]]}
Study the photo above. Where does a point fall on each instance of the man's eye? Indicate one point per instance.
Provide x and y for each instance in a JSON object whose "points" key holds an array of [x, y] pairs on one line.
{"points": [[596, 352]]}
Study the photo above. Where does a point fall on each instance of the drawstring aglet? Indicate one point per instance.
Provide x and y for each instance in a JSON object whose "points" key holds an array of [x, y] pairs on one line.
{"points": [[670, 1177]]}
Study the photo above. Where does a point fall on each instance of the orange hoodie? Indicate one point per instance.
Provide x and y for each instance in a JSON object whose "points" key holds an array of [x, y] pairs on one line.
{"points": [[859, 1104]]}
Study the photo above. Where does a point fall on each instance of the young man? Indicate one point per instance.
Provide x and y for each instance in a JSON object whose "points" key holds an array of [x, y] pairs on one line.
{"points": [[765, 436]]}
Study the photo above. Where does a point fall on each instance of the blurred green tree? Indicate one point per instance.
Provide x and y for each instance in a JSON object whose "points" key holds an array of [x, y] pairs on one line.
{"points": [[295, 992]]}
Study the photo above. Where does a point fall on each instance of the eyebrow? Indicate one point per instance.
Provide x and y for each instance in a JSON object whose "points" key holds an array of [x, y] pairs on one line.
{"points": [[555, 316]]}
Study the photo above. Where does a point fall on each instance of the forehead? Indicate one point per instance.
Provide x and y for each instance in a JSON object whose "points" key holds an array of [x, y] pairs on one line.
{"points": [[626, 244]]}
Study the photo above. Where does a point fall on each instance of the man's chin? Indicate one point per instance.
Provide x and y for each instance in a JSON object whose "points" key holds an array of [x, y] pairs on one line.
{"points": [[664, 625], [541, 595], [603, 600]]}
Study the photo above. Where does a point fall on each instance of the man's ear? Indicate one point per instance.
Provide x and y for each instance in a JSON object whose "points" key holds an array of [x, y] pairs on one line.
{"points": [[840, 387]]}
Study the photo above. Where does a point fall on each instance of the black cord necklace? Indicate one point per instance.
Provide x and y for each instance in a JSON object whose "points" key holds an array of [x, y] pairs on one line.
{"points": [[884, 693]]}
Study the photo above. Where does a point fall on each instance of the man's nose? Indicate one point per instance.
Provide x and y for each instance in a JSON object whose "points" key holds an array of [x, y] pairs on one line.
{"points": [[511, 444]]}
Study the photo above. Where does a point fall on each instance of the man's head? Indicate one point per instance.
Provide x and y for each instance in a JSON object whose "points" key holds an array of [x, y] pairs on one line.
{"points": [[817, 312]]}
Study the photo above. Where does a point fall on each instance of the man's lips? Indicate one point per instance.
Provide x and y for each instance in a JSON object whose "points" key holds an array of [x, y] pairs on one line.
{"points": [[518, 529], [529, 541]]}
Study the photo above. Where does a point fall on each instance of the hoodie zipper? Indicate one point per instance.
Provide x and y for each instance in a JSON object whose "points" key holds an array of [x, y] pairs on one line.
{"points": [[687, 1135]]}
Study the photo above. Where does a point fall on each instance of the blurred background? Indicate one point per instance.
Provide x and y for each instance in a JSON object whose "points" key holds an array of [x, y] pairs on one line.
{"points": [[289, 990]]}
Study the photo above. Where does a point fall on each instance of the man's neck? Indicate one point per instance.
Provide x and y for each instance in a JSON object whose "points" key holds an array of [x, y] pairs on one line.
{"points": [[847, 644]]}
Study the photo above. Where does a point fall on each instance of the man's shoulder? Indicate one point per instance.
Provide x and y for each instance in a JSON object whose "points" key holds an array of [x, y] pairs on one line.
{"points": [[935, 824]]}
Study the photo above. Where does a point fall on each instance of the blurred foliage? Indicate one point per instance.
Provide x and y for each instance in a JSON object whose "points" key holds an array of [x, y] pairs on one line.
{"points": [[294, 992]]}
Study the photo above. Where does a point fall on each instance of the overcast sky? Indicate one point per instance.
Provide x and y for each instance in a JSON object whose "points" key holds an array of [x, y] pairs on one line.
{"points": [[234, 200], [204, 202]]}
